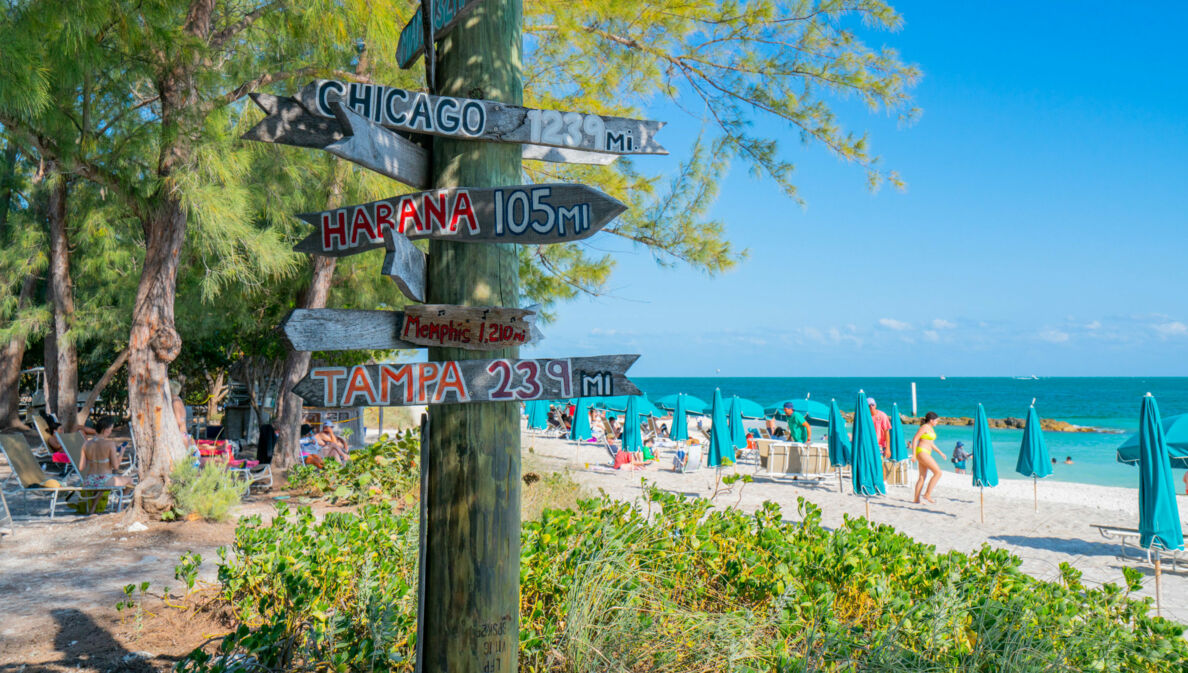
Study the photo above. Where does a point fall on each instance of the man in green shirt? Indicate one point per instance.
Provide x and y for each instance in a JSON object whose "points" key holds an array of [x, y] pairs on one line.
{"points": [[798, 426]]}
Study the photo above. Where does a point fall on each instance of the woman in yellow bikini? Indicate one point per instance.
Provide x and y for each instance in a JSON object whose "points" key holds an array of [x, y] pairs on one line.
{"points": [[923, 444]]}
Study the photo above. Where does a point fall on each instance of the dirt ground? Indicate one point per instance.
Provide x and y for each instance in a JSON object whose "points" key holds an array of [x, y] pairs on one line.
{"points": [[60, 581]]}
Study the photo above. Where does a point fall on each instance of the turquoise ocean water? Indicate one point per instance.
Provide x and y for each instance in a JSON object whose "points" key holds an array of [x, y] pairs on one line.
{"points": [[1111, 404]]}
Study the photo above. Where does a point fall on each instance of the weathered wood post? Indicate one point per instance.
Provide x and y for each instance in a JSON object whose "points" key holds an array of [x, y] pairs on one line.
{"points": [[472, 556]]}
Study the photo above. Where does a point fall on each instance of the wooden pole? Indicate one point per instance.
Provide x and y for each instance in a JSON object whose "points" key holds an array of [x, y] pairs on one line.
{"points": [[982, 502], [840, 486], [1035, 492], [1158, 581], [470, 620], [868, 508]]}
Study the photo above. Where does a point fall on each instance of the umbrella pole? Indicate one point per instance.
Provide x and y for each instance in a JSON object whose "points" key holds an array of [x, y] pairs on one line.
{"points": [[982, 502], [840, 488], [868, 508], [1035, 491], [1158, 580]]}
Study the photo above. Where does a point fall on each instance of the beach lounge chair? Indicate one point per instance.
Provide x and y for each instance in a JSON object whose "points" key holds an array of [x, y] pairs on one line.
{"points": [[1130, 536], [32, 479], [5, 517], [693, 461], [72, 446]]}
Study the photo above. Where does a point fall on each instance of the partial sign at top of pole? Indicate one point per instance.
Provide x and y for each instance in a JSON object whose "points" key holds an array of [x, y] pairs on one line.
{"points": [[445, 15], [472, 119]]}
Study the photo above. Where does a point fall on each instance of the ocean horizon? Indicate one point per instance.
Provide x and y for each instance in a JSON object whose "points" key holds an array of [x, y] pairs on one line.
{"points": [[1108, 404]]}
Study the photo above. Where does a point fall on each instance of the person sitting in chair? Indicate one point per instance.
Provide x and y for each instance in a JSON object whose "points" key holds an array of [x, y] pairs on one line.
{"points": [[100, 459], [332, 445]]}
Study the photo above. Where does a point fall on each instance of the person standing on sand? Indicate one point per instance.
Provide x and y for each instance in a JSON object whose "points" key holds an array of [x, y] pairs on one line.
{"points": [[798, 427], [882, 427], [923, 444]]}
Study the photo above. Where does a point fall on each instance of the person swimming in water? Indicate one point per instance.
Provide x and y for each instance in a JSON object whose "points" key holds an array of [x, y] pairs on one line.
{"points": [[923, 444]]}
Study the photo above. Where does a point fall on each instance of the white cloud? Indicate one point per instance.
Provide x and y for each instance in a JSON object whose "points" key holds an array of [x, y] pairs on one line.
{"points": [[893, 324], [1096, 324], [1053, 336], [941, 323], [931, 335], [1170, 329]]}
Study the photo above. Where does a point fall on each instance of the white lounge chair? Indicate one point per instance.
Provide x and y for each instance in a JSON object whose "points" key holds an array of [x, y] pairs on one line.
{"points": [[32, 479]]}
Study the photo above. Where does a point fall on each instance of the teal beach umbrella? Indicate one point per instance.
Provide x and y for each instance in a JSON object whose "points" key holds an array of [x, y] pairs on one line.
{"points": [[720, 450], [579, 429], [693, 404], [644, 406], [839, 444], [632, 438], [738, 435], [538, 414], [749, 408], [1159, 516], [1033, 453], [1175, 438], [897, 442], [867, 471], [985, 473], [679, 431]]}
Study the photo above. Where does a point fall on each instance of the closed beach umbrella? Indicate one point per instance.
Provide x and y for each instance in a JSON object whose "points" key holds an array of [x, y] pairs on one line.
{"points": [[985, 472], [1159, 516], [538, 414], [839, 443], [738, 435], [720, 449], [1033, 454], [867, 471], [897, 442], [579, 429], [1175, 438], [679, 431], [632, 438]]}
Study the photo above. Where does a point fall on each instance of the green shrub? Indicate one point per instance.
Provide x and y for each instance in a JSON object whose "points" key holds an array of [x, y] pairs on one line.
{"points": [[385, 470], [209, 492], [673, 585]]}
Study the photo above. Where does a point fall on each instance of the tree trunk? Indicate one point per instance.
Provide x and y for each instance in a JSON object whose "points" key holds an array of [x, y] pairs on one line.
{"points": [[290, 408], [471, 542], [85, 412], [66, 369], [51, 360], [11, 356], [217, 390]]}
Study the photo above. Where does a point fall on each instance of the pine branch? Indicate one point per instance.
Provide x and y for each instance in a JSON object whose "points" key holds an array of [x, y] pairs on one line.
{"points": [[220, 38]]}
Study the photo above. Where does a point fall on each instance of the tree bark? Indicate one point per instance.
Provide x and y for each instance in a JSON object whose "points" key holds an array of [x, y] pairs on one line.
{"points": [[85, 412], [11, 356], [217, 388], [290, 409], [51, 360], [66, 369], [471, 542]]}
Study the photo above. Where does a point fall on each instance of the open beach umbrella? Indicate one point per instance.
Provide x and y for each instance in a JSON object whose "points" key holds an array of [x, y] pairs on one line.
{"points": [[693, 404], [679, 431], [839, 442], [808, 408], [738, 434], [619, 403], [1033, 453], [750, 408], [985, 472], [1159, 516], [579, 429], [867, 471], [538, 414], [720, 449], [897, 442], [1175, 438]]}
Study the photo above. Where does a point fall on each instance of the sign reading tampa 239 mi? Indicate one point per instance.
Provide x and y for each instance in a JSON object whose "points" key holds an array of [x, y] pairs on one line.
{"points": [[554, 213], [483, 119]]}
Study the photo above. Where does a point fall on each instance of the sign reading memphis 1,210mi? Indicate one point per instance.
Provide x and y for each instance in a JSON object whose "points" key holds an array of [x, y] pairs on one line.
{"points": [[465, 381], [485, 120]]}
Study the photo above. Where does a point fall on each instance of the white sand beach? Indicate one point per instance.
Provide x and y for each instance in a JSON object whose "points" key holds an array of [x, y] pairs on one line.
{"points": [[1060, 532]]}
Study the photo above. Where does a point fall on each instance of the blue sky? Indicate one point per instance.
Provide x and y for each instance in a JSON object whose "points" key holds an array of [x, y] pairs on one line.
{"points": [[1042, 230]]}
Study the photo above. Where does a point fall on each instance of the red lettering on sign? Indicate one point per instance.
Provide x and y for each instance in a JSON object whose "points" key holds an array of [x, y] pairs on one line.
{"points": [[451, 380], [426, 372], [434, 212], [329, 376], [408, 211], [463, 208], [359, 383], [412, 326], [383, 218], [387, 376], [332, 232], [362, 225]]}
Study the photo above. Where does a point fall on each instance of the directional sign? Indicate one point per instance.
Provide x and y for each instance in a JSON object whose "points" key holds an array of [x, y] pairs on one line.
{"points": [[482, 328], [446, 14], [472, 119], [553, 213], [465, 381], [469, 327], [344, 134], [405, 264]]}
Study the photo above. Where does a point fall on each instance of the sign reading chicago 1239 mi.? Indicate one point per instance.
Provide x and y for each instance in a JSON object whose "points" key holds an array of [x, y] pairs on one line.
{"points": [[466, 381], [486, 120]]}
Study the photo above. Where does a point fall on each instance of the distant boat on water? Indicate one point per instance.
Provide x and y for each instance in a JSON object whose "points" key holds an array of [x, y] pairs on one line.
{"points": [[1033, 377], [942, 377]]}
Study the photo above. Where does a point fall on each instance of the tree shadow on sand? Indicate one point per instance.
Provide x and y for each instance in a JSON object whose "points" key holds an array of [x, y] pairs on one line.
{"points": [[83, 645]]}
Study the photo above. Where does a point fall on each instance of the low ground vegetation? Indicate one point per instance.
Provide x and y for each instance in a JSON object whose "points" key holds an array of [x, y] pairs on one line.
{"points": [[671, 584]]}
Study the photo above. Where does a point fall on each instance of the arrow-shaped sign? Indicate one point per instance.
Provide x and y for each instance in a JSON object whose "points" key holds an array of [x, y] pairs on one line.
{"points": [[470, 327], [553, 213], [471, 119], [344, 134], [466, 381], [446, 14], [405, 264]]}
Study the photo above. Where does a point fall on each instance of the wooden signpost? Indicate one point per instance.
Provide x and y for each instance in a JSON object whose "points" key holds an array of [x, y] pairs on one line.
{"points": [[405, 264], [444, 16], [472, 119], [467, 381], [481, 328], [552, 213]]}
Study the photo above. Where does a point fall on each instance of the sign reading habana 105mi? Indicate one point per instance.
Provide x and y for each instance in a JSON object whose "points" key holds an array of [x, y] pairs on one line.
{"points": [[486, 120], [466, 381], [554, 213]]}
